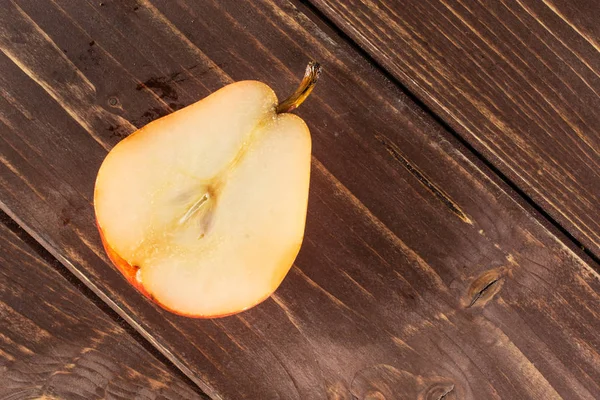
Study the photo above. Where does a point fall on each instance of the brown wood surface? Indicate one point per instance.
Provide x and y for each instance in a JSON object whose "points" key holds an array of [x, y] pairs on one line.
{"points": [[56, 344], [422, 274], [518, 79]]}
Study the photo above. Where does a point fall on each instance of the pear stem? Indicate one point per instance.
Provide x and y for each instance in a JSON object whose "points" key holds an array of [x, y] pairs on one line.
{"points": [[313, 70]]}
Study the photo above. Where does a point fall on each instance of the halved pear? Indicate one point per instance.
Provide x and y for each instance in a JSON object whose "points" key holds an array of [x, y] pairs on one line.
{"points": [[204, 210]]}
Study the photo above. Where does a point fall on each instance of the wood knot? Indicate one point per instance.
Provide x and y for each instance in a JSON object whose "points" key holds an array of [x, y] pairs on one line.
{"points": [[484, 288], [385, 382], [113, 101], [441, 390]]}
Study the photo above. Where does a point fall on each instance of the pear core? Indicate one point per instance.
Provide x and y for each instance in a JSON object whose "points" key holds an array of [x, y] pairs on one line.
{"points": [[204, 210]]}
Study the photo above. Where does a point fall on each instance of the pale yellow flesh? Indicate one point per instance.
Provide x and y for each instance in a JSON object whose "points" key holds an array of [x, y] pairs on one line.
{"points": [[210, 202]]}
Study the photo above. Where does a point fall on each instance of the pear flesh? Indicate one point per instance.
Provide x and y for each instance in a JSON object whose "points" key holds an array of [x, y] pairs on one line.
{"points": [[204, 210]]}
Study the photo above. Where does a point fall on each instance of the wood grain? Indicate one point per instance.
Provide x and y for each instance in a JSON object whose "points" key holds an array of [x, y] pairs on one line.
{"points": [[420, 273], [55, 343], [519, 80]]}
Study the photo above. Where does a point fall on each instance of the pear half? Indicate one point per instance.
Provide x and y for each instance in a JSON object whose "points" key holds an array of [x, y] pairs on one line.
{"points": [[204, 210]]}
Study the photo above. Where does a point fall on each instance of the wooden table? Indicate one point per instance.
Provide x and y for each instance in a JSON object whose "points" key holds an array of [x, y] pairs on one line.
{"points": [[453, 236]]}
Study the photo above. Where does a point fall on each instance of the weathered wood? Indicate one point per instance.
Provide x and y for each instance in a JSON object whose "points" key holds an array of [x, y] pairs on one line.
{"points": [[519, 80], [420, 273], [55, 343]]}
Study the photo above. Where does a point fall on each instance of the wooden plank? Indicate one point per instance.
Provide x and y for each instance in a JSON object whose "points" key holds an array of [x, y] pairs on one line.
{"points": [[519, 80], [55, 343], [420, 273]]}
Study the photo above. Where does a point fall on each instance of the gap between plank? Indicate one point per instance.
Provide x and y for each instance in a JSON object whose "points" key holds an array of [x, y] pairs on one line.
{"points": [[30, 241], [430, 113]]}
